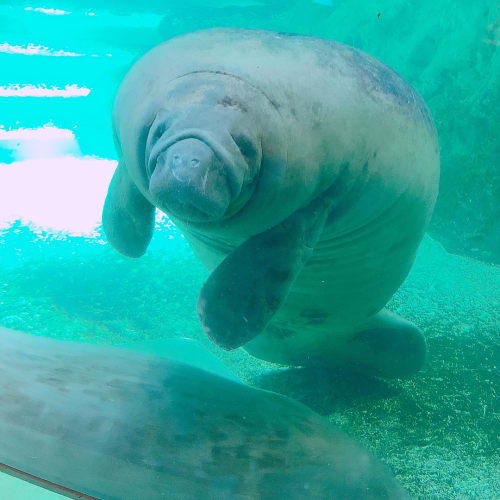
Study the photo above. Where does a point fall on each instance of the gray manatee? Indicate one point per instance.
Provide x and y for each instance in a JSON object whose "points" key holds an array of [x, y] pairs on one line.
{"points": [[301, 171], [114, 424]]}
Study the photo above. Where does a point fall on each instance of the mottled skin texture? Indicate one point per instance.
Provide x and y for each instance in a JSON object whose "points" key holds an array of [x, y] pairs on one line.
{"points": [[117, 424], [302, 172]]}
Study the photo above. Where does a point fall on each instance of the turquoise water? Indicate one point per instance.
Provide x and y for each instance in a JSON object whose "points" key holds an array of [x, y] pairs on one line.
{"points": [[61, 64]]}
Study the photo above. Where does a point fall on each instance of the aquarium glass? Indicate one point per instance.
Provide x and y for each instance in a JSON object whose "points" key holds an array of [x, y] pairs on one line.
{"points": [[62, 62]]}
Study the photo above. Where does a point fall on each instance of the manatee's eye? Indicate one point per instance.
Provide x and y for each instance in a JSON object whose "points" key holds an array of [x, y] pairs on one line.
{"points": [[158, 129], [150, 167], [159, 126], [247, 147], [162, 122]]}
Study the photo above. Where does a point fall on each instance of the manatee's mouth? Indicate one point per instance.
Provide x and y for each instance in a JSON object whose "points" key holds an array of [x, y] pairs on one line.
{"points": [[192, 176]]}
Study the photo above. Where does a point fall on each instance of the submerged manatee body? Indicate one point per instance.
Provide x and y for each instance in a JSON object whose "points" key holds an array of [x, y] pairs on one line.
{"points": [[115, 424], [302, 172]]}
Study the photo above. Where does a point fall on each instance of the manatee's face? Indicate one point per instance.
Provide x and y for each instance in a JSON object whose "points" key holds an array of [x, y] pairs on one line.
{"points": [[198, 167]]}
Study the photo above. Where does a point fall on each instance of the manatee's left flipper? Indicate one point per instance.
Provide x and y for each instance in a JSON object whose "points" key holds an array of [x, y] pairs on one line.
{"points": [[242, 294], [128, 218], [386, 345]]}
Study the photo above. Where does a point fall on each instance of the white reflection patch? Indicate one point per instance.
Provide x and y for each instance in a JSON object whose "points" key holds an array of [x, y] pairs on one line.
{"points": [[17, 90], [49, 12], [30, 49], [56, 194]]}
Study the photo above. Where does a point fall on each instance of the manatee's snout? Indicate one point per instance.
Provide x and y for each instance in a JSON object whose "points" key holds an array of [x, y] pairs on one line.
{"points": [[190, 182]]}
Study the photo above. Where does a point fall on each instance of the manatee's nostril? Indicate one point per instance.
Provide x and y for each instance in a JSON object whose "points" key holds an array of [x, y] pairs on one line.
{"points": [[190, 181]]}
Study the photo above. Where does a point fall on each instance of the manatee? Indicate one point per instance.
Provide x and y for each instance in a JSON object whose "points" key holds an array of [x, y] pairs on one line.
{"points": [[301, 171], [111, 423]]}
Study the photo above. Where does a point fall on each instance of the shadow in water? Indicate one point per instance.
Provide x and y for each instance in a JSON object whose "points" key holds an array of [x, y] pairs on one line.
{"points": [[326, 390]]}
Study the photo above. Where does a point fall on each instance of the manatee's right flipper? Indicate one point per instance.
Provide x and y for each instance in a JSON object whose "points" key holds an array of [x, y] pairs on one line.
{"points": [[243, 293], [128, 218], [386, 346]]}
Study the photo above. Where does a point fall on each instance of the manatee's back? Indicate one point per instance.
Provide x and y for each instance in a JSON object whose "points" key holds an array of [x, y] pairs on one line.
{"points": [[324, 90], [113, 424]]}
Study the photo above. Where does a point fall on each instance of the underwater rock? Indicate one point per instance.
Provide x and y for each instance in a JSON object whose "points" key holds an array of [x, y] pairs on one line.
{"points": [[111, 423], [301, 171]]}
